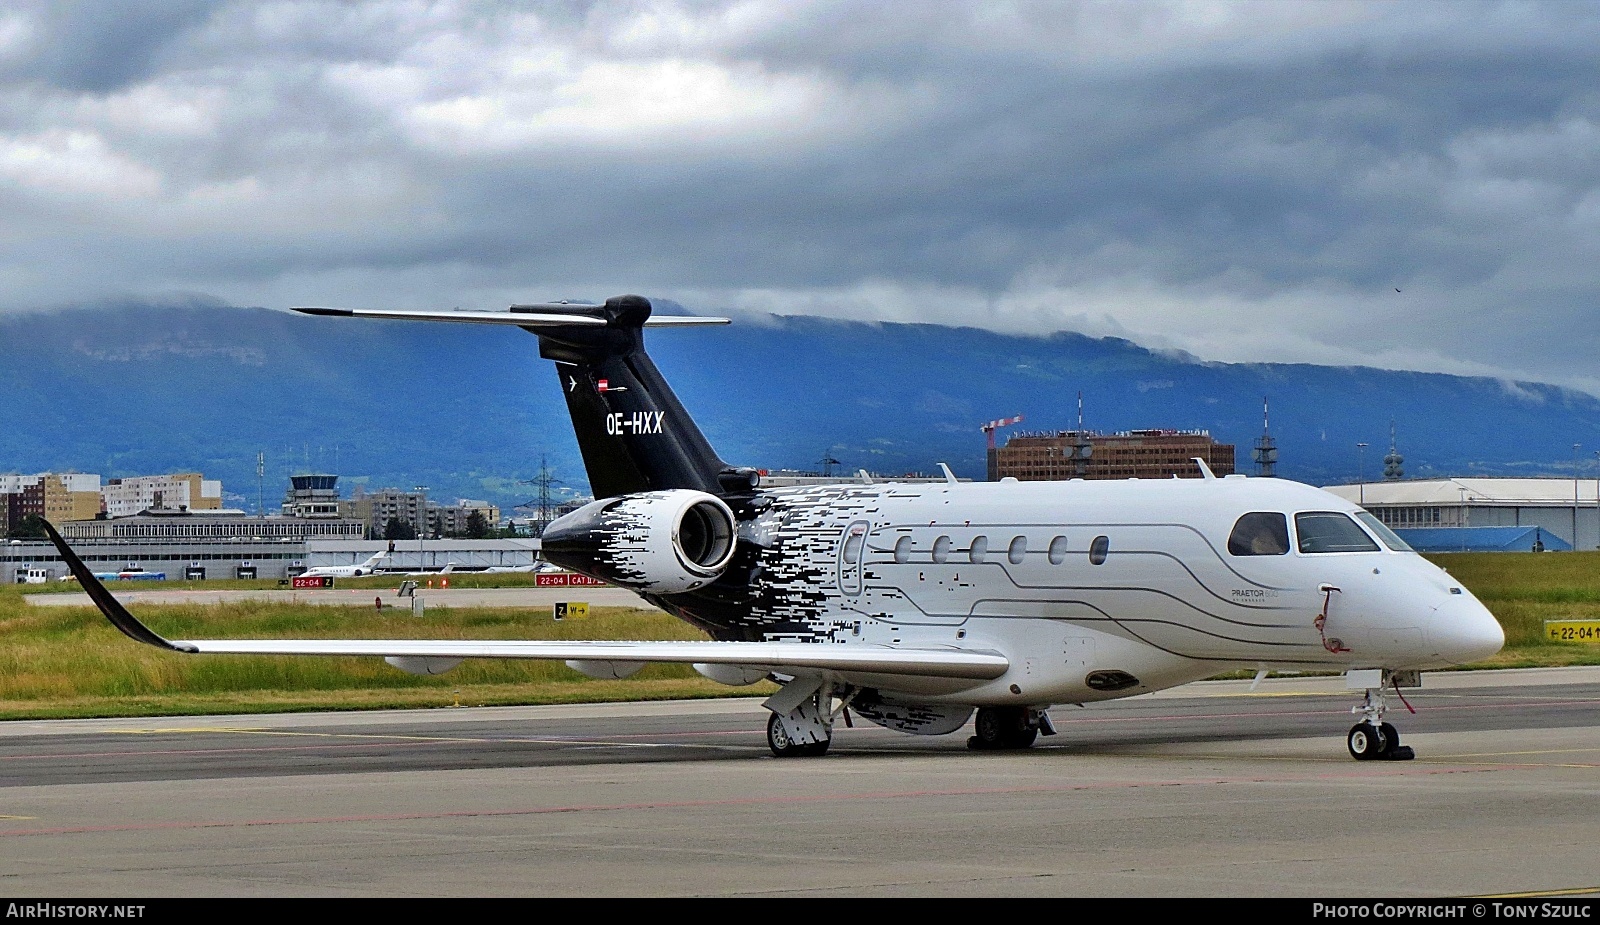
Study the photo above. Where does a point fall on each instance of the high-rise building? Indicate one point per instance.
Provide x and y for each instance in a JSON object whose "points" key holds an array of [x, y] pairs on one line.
{"points": [[1131, 454], [180, 491], [56, 496]]}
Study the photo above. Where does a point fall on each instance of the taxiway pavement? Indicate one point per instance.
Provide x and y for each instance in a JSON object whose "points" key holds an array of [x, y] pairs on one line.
{"points": [[1209, 790]]}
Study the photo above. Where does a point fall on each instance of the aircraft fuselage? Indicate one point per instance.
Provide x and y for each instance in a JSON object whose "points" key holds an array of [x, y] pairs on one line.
{"points": [[1092, 589]]}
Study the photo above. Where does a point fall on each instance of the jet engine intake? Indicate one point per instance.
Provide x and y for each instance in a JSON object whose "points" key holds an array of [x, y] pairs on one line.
{"points": [[663, 542]]}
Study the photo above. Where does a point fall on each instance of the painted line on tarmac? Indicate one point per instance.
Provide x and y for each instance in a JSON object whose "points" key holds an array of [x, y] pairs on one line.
{"points": [[1535, 894], [1352, 775], [378, 741]]}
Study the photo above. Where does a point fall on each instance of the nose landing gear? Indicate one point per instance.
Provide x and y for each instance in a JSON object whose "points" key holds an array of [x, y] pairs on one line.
{"points": [[1372, 739]]}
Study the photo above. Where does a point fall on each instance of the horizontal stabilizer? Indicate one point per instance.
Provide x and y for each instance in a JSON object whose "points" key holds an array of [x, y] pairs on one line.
{"points": [[522, 316]]}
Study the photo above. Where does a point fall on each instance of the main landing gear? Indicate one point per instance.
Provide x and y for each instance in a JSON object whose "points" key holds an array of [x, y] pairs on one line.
{"points": [[1372, 739], [1008, 727], [803, 711], [783, 746]]}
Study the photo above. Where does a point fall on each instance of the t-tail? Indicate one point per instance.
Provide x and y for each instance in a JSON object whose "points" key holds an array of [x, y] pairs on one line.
{"points": [[634, 434]]}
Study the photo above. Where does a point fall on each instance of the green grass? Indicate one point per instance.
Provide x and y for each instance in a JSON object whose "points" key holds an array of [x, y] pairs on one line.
{"points": [[68, 662], [1525, 589]]}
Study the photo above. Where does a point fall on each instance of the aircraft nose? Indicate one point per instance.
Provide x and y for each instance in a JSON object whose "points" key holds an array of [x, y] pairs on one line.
{"points": [[1463, 630]]}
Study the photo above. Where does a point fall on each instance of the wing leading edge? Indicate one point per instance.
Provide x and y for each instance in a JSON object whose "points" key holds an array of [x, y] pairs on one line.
{"points": [[522, 316], [783, 657]]}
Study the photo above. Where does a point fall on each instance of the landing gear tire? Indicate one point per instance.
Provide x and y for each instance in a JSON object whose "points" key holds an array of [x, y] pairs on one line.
{"points": [[778, 739], [1397, 752], [784, 747], [1002, 728], [1368, 742]]}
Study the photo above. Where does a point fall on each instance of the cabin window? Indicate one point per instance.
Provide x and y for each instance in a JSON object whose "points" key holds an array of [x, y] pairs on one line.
{"points": [[1058, 550], [979, 550], [1098, 550], [1389, 537], [941, 549], [1263, 533], [1331, 531], [902, 549], [1018, 550]]}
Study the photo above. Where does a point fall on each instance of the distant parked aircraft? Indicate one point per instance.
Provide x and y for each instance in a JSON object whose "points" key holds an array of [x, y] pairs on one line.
{"points": [[349, 571]]}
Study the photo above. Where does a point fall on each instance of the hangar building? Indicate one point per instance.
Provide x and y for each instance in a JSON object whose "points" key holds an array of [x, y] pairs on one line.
{"points": [[1565, 508]]}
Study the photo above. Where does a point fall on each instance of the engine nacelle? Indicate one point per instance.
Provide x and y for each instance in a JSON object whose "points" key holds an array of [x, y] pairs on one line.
{"points": [[663, 542]]}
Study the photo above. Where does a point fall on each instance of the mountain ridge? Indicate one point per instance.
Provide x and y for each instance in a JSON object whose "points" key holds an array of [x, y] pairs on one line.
{"points": [[469, 411]]}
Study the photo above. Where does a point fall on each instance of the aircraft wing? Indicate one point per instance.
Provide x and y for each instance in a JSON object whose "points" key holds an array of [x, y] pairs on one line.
{"points": [[529, 316], [783, 657]]}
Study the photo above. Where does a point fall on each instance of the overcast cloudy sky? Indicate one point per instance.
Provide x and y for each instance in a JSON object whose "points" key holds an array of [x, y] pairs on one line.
{"points": [[1412, 185]]}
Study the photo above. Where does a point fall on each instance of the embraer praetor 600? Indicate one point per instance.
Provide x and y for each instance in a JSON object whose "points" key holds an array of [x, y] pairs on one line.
{"points": [[916, 605]]}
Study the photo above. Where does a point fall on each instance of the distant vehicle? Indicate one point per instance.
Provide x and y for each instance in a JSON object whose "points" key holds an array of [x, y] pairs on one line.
{"points": [[33, 576], [139, 574]]}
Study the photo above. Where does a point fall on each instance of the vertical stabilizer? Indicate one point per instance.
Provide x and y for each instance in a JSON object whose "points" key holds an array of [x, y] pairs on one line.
{"points": [[633, 432]]}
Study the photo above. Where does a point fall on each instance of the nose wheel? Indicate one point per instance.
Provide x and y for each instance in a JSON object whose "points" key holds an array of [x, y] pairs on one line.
{"points": [[1377, 743], [1372, 739]]}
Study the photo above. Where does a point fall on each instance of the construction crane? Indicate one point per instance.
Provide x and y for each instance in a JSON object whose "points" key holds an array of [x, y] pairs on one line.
{"points": [[992, 456], [989, 428]]}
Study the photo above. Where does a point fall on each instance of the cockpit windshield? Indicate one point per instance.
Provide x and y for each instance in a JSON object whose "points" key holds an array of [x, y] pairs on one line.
{"points": [[1331, 531], [1389, 537], [1261, 533]]}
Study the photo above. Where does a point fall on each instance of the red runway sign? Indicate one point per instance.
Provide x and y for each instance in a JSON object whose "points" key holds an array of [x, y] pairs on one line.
{"points": [[566, 580]]}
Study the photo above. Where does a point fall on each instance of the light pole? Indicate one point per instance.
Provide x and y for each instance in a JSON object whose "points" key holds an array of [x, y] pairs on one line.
{"points": [[422, 529], [1575, 496], [1361, 472]]}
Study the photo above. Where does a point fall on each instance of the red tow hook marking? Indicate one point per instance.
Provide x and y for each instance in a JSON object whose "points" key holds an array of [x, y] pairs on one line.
{"points": [[1332, 645]]}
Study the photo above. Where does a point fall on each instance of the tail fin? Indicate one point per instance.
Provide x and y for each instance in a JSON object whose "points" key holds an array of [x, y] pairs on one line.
{"points": [[633, 432]]}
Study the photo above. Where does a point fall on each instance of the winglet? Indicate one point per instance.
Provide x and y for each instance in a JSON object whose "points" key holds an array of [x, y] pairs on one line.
{"points": [[110, 606], [948, 475], [1205, 470]]}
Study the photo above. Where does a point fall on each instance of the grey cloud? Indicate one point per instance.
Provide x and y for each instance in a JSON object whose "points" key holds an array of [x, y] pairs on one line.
{"points": [[99, 47], [1280, 169]]}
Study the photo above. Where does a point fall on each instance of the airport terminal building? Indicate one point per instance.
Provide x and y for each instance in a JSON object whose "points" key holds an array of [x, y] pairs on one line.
{"points": [[1564, 508], [196, 545]]}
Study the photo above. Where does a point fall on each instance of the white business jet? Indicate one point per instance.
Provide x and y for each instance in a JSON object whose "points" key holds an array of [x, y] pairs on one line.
{"points": [[917, 605], [349, 571]]}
